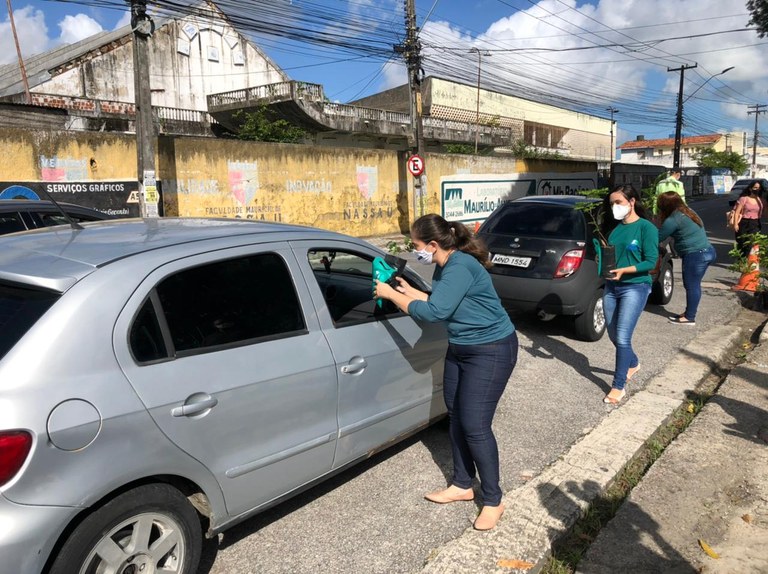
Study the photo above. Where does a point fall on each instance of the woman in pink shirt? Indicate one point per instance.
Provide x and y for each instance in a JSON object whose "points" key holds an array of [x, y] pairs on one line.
{"points": [[749, 210]]}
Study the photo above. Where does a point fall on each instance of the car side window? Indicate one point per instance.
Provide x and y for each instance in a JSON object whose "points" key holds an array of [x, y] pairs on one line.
{"points": [[51, 219], [346, 280], [230, 303], [11, 223], [146, 338]]}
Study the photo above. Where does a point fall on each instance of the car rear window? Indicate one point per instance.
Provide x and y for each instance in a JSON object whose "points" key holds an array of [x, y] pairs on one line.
{"points": [[537, 220], [20, 308]]}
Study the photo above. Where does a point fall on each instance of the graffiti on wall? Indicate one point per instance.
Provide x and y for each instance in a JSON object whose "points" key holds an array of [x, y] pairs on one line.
{"points": [[368, 210], [309, 185], [63, 168], [367, 180], [243, 178]]}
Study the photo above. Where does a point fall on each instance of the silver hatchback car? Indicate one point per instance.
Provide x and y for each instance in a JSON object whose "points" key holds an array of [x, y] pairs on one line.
{"points": [[165, 379]]}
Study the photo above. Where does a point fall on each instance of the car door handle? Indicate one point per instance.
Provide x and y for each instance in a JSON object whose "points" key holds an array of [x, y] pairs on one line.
{"points": [[197, 404], [355, 365]]}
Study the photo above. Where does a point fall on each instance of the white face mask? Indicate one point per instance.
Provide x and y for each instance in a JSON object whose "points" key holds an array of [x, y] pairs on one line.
{"points": [[424, 256], [620, 211]]}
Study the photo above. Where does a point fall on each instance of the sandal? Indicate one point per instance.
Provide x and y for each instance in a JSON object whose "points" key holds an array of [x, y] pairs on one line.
{"points": [[614, 397], [631, 372], [681, 320]]}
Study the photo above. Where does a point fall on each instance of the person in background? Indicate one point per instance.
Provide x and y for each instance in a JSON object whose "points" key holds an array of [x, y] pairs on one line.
{"points": [[670, 183], [748, 212], [482, 352], [683, 224], [636, 241]]}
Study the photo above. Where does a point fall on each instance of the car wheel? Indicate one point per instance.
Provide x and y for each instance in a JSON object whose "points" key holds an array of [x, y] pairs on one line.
{"points": [[152, 528], [590, 325], [663, 287]]}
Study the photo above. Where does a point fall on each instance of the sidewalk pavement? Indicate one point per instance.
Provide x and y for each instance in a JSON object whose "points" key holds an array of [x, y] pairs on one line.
{"points": [[710, 485], [726, 464]]}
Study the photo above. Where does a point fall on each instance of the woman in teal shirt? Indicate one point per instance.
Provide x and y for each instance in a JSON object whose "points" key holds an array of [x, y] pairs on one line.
{"points": [[636, 241], [682, 224], [482, 352]]}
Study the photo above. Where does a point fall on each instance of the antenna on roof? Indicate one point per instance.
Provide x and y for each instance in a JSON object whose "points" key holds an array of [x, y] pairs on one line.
{"points": [[72, 223]]}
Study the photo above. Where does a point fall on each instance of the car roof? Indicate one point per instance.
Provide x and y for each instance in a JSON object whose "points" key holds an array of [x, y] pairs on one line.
{"points": [[44, 205], [55, 258], [567, 200]]}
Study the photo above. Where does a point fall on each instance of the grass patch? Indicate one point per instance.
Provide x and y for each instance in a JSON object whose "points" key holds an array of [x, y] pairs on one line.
{"points": [[569, 551]]}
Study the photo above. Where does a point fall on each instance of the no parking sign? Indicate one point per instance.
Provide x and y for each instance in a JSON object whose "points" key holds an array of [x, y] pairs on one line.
{"points": [[416, 165]]}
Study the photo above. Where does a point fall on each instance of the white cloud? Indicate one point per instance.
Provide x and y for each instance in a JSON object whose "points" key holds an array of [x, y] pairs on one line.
{"points": [[32, 33], [124, 20], [78, 27], [633, 75], [395, 74]]}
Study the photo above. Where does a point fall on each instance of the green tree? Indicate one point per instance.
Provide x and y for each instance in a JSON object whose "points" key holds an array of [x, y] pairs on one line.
{"points": [[522, 150], [262, 125], [459, 148], [709, 158], [759, 11]]}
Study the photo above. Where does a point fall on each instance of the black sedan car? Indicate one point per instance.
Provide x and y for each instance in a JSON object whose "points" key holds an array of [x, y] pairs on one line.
{"points": [[544, 261], [22, 215]]}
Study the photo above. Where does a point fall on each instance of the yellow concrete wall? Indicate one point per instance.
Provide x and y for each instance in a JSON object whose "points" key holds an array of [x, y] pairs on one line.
{"points": [[354, 191], [27, 155], [361, 192]]}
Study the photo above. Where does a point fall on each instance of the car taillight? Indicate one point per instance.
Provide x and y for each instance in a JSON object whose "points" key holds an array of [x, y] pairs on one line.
{"points": [[569, 263], [14, 448]]}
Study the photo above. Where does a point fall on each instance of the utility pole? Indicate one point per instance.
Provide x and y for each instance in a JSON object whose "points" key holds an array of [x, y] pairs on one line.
{"points": [[411, 49], [145, 127], [22, 69], [679, 118], [477, 108], [613, 150], [757, 109]]}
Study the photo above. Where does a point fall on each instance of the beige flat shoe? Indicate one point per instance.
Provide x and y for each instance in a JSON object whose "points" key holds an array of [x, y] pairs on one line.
{"points": [[489, 517], [450, 494]]}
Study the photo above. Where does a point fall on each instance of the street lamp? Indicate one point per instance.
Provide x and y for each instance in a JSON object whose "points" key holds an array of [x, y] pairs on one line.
{"points": [[680, 102], [705, 83], [477, 110]]}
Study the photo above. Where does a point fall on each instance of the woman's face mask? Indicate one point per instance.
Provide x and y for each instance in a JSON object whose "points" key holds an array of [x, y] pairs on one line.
{"points": [[424, 256], [620, 211]]}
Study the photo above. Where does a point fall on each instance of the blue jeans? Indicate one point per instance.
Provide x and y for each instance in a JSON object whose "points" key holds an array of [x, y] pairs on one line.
{"points": [[475, 378], [622, 304], [694, 266]]}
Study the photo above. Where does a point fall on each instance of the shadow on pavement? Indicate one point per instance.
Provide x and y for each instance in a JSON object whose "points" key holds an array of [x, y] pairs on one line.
{"points": [[628, 552]]}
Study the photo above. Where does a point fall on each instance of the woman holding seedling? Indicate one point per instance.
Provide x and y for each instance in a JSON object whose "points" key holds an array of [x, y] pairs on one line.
{"points": [[636, 243], [482, 351]]}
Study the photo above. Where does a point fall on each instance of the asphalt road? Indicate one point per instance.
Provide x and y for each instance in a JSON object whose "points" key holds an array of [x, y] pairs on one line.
{"points": [[373, 518]]}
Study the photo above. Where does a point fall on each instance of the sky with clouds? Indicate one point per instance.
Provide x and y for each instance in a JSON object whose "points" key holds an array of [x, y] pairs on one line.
{"points": [[581, 55]]}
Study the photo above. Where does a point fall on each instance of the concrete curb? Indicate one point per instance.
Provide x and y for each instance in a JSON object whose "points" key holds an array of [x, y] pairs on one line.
{"points": [[547, 507]]}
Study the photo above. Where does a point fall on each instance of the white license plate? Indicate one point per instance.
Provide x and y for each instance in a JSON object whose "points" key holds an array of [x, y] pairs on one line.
{"points": [[500, 259]]}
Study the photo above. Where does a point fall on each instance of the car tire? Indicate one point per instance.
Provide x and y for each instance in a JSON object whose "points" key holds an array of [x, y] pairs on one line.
{"points": [[663, 287], [164, 522], [590, 325]]}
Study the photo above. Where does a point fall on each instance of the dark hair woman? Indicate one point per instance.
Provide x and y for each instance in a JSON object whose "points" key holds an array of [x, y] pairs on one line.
{"points": [[636, 241], [482, 352], [682, 224], [749, 210]]}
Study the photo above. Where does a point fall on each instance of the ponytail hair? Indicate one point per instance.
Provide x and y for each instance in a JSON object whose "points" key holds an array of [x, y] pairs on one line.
{"points": [[669, 202], [449, 235]]}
